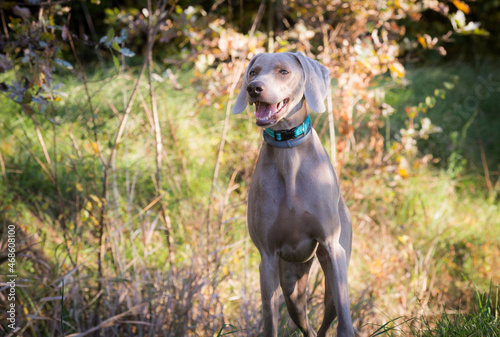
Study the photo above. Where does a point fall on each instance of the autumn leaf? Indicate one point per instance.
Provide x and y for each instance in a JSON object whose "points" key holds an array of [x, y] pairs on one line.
{"points": [[422, 41], [95, 147], [462, 6], [79, 187], [403, 173]]}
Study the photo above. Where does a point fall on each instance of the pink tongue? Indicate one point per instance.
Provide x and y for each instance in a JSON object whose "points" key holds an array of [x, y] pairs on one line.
{"points": [[265, 111]]}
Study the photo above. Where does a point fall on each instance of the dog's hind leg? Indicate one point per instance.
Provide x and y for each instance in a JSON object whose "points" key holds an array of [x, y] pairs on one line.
{"points": [[293, 279]]}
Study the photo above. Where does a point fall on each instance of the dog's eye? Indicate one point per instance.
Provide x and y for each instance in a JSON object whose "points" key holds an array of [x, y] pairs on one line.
{"points": [[252, 73], [283, 72]]}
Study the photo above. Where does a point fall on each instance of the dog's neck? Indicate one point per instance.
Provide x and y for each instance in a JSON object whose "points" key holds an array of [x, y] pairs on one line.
{"points": [[291, 136]]}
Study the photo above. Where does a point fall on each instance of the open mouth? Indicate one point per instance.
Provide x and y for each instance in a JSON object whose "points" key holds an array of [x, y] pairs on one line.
{"points": [[267, 114]]}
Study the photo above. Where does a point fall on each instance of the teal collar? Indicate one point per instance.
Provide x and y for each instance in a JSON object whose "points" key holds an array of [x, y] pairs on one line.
{"points": [[289, 138]]}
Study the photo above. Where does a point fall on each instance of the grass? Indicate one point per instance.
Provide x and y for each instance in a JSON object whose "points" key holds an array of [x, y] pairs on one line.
{"points": [[415, 238], [483, 320]]}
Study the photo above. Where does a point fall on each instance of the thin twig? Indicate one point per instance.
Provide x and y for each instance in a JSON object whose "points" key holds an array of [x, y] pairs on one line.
{"points": [[154, 109], [326, 61], [157, 132], [42, 143], [236, 78], [4, 24], [237, 74], [110, 321], [485, 168], [128, 109], [75, 144], [100, 226], [93, 112], [90, 24], [2, 166], [231, 186], [151, 204], [333, 142], [39, 161], [180, 156]]}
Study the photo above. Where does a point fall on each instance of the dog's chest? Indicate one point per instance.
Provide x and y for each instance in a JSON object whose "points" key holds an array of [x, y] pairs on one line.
{"points": [[290, 203]]}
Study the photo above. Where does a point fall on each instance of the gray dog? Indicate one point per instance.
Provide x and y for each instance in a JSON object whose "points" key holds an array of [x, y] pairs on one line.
{"points": [[295, 207]]}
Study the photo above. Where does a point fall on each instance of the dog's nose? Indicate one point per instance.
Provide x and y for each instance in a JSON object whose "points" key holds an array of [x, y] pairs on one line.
{"points": [[255, 89]]}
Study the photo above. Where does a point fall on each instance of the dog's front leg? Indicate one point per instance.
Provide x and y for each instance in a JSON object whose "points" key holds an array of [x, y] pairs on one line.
{"points": [[269, 284], [332, 258]]}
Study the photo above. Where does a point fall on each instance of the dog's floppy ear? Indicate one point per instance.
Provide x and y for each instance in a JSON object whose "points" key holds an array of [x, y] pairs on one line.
{"points": [[242, 99], [316, 82]]}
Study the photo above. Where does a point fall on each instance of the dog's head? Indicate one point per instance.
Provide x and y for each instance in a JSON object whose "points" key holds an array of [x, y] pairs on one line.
{"points": [[276, 84]]}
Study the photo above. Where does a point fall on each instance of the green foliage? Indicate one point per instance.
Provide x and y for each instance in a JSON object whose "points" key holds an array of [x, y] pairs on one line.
{"points": [[465, 110]]}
